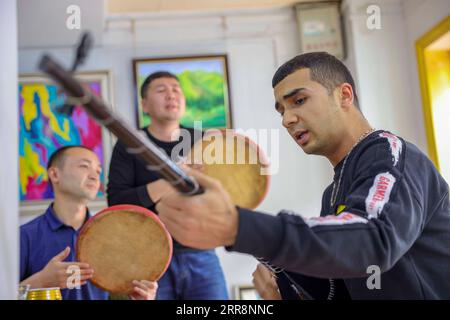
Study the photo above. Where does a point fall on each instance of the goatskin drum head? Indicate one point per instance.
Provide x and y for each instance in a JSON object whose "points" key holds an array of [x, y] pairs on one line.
{"points": [[237, 162], [124, 243]]}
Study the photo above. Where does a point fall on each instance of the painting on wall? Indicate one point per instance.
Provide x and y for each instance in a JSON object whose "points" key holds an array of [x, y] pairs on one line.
{"points": [[42, 130], [204, 81]]}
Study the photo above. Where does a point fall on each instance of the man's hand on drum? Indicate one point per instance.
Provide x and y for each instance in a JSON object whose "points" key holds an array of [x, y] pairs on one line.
{"points": [[55, 273], [265, 283], [204, 221], [144, 290]]}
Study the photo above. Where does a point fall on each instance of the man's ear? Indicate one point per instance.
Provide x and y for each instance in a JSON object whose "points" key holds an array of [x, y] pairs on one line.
{"points": [[53, 174], [346, 96]]}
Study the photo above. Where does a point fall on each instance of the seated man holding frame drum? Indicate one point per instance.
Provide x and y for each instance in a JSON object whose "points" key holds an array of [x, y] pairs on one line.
{"points": [[47, 243]]}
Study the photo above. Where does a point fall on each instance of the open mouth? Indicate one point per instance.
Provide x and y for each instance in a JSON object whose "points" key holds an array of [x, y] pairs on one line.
{"points": [[172, 107], [302, 137]]}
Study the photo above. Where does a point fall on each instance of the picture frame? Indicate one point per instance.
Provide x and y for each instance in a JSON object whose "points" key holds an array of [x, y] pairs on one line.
{"points": [[205, 84], [246, 292], [42, 130]]}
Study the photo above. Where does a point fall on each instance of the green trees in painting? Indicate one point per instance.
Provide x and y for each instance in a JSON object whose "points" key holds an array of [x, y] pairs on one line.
{"points": [[205, 98]]}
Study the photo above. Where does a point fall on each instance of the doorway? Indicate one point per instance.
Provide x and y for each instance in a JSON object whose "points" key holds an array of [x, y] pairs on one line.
{"points": [[433, 56]]}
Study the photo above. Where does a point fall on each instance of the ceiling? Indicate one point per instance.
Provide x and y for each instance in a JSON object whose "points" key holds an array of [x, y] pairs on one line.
{"points": [[141, 6], [51, 15]]}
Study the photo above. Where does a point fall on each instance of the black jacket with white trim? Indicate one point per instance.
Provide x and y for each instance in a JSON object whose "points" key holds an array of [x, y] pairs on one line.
{"points": [[392, 212]]}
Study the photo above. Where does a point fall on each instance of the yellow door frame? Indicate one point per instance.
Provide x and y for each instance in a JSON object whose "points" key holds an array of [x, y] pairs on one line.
{"points": [[421, 44]]}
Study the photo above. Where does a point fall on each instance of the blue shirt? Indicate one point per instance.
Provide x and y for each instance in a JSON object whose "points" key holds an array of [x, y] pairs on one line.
{"points": [[43, 238]]}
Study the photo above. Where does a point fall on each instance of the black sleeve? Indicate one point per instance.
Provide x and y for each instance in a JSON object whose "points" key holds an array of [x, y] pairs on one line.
{"points": [[294, 286], [121, 183], [381, 221]]}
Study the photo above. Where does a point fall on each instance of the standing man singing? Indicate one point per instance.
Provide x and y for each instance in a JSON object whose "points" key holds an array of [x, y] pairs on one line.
{"points": [[193, 274]]}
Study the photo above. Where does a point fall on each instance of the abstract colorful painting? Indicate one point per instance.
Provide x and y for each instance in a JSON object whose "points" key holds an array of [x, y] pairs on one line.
{"points": [[204, 81], [42, 130]]}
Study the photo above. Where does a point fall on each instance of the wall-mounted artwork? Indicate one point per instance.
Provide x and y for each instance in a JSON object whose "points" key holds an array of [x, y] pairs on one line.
{"points": [[42, 130], [204, 81]]}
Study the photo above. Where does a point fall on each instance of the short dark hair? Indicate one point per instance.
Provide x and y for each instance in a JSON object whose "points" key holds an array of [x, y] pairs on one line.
{"points": [[57, 157], [154, 76], [324, 68]]}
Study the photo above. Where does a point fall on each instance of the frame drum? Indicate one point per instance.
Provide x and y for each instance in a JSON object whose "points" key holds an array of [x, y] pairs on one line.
{"points": [[237, 162], [124, 243]]}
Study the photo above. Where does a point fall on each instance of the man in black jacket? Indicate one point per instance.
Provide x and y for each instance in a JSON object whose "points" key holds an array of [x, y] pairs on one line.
{"points": [[193, 273], [384, 227]]}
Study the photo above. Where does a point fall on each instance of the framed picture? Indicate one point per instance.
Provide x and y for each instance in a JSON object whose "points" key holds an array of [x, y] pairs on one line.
{"points": [[204, 81], [42, 130], [433, 62], [246, 292]]}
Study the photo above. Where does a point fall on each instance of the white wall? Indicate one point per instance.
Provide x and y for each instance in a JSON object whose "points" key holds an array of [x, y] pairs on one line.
{"points": [[46, 21], [384, 61], [381, 67], [9, 198], [420, 17]]}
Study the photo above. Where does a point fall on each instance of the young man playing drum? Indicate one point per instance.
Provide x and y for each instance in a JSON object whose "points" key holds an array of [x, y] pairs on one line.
{"points": [[384, 227], [193, 274], [47, 242]]}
